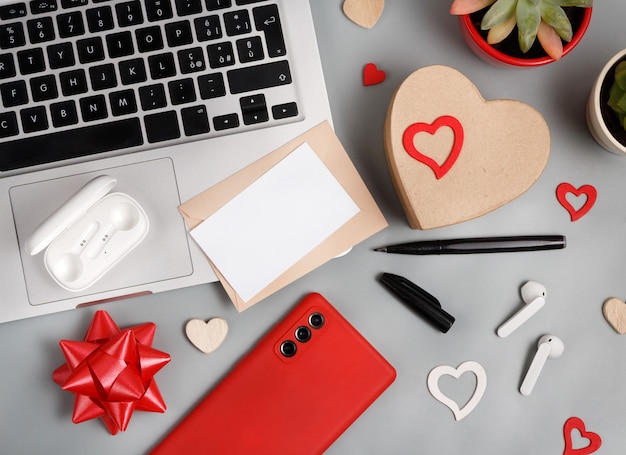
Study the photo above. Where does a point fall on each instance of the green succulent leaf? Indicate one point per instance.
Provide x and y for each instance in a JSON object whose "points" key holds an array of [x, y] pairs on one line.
{"points": [[616, 99], [620, 75], [499, 13], [583, 3], [528, 20], [556, 18]]}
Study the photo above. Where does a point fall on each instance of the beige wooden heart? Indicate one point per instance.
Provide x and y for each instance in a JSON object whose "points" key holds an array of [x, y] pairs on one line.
{"points": [[206, 336], [493, 151], [363, 12], [614, 311]]}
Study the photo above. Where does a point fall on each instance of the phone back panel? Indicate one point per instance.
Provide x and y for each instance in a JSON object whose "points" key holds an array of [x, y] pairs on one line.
{"points": [[273, 404]]}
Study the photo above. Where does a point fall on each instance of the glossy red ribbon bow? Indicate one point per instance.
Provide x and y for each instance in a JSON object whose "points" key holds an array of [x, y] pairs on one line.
{"points": [[111, 372]]}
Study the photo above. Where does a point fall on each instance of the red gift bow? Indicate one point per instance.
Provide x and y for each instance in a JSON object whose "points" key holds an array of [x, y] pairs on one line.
{"points": [[111, 372]]}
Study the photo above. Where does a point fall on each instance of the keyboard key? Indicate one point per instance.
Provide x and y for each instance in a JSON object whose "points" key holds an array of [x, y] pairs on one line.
{"points": [[70, 24], [70, 144], [102, 76], [213, 5], [191, 60], [73, 82], [31, 61], [182, 91], [40, 30], [129, 13], [195, 120], [247, 2], [178, 33], [157, 10], [99, 19], [43, 6], [43, 88], [162, 65], [63, 113], [281, 111], [12, 11], [72, 3], [225, 122], [259, 77], [12, 35], [123, 102], [266, 19], [152, 97], [90, 50], [120, 44], [221, 55], [162, 126], [250, 49], [13, 93], [187, 7], [34, 119], [132, 71], [8, 124], [237, 22], [93, 108], [208, 28], [149, 39], [60, 55], [254, 109], [211, 86], [7, 66]]}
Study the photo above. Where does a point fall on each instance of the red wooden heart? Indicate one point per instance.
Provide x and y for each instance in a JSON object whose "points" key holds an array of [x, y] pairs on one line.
{"points": [[372, 75], [443, 121], [589, 191], [574, 423]]}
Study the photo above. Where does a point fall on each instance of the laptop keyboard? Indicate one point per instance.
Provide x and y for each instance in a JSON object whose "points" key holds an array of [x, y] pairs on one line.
{"points": [[81, 77]]}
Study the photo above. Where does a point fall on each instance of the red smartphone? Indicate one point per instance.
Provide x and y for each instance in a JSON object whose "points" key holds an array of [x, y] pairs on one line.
{"points": [[297, 391]]}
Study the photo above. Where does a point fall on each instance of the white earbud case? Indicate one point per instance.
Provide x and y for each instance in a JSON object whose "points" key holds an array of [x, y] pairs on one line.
{"points": [[89, 234]]}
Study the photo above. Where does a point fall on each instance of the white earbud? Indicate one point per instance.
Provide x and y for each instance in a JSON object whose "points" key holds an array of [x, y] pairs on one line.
{"points": [[70, 266], [534, 296], [548, 346], [123, 217]]}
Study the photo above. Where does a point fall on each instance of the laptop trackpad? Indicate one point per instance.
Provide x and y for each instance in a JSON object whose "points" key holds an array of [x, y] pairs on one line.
{"points": [[162, 255]]}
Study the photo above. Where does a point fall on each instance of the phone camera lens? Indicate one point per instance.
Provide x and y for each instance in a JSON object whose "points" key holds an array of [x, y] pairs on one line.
{"points": [[316, 320], [303, 334], [288, 348]]}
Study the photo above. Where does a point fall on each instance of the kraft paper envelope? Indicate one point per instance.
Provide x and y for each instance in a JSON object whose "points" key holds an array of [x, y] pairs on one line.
{"points": [[327, 147]]}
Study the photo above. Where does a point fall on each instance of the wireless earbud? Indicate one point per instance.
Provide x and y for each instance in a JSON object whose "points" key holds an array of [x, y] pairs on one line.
{"points": [[549, 346], [534, 296], [69, 266], [123, 217]]}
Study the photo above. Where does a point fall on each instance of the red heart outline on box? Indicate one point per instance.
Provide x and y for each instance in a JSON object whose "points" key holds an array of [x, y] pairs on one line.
{"points": [[431, 128], [589, 191], [372, 75], [574, 423]]}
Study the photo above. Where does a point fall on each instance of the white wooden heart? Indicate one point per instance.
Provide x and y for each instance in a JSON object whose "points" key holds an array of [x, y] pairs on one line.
{"points": [[452, 155], [614, 311], [479, 391], [206, 336]]}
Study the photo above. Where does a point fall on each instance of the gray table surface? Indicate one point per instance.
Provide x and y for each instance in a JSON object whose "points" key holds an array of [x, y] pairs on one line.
{"points": [[481, 291]]}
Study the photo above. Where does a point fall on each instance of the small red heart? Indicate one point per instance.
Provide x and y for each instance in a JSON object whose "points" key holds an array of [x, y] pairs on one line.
{"points": [[415, 128], [589, 191], [372, 75], [574, 423]]}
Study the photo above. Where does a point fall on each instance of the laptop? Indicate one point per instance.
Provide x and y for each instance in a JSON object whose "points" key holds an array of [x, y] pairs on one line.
{"points": [[167, 97]]}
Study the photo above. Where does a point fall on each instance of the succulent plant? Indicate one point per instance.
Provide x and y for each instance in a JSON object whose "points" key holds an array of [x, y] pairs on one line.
{"points": [[617, 94], [544, 20]]}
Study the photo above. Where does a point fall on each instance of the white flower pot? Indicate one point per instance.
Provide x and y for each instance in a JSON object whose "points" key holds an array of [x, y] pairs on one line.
{"points": [[596, 122]]}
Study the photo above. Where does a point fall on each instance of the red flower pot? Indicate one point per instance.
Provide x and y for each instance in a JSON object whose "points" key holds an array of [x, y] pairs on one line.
{"points": [[487, 52]]}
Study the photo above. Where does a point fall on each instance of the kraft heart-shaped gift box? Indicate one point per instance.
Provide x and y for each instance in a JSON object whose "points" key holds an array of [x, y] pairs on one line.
{"points": [[454, 156]]}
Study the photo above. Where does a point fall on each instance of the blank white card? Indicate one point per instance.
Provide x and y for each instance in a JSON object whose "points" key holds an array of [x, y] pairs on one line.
{"points": [[275, 222]]}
